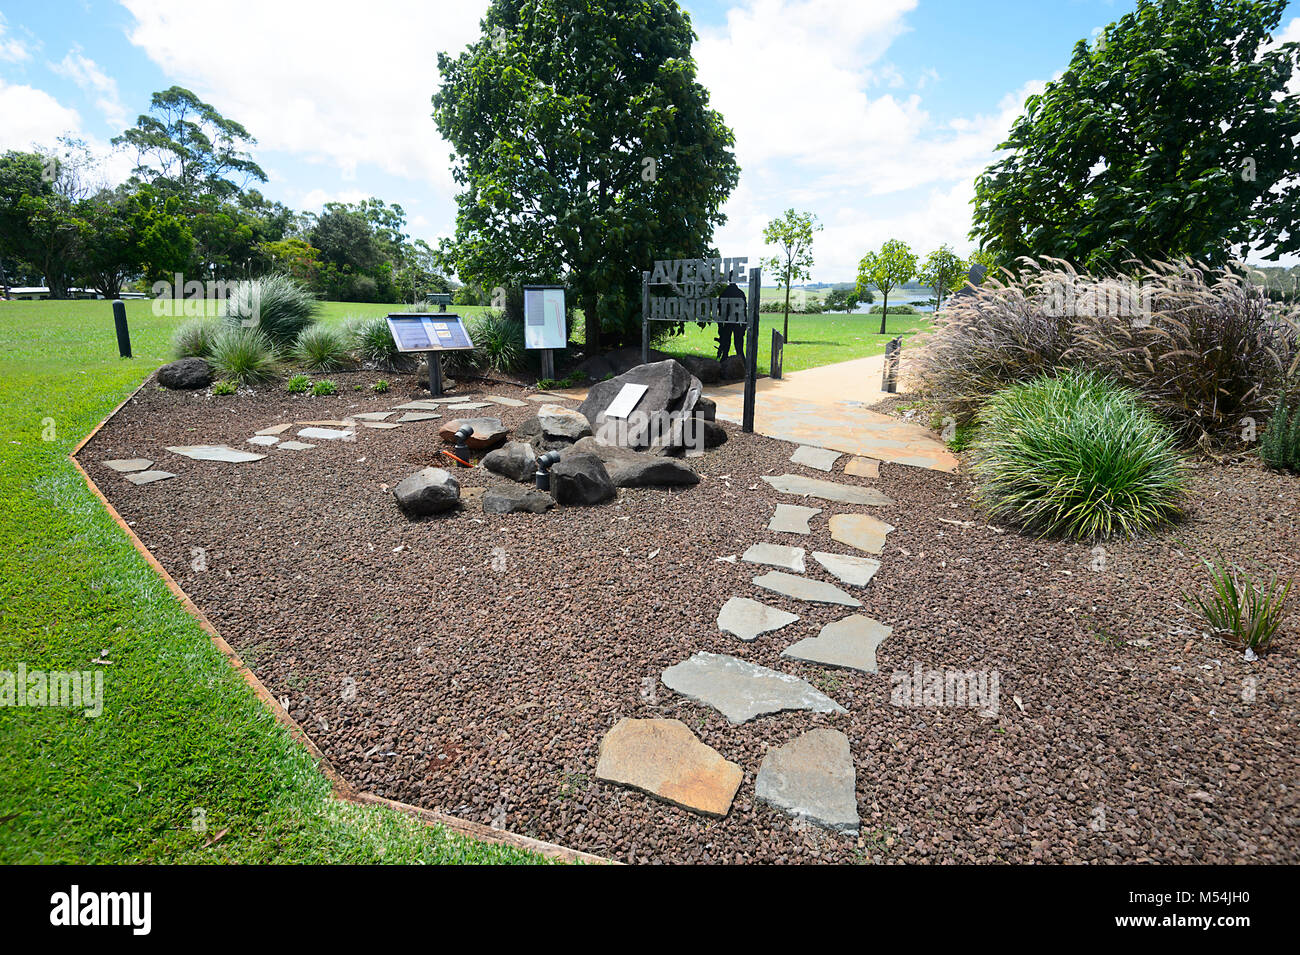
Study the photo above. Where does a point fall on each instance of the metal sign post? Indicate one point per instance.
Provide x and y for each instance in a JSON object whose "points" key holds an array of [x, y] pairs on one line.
{"points": [[645, 318], [435, 374], [751, 349]]}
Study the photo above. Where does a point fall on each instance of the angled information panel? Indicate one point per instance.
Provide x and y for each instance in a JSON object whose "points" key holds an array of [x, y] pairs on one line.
{"points": [[420, 332], [544, 325]]}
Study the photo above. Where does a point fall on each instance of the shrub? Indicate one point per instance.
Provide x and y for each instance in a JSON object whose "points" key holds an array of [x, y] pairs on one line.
{"points": [[894, 310], [324, 387], [298, 385], [373, 343], [1244, 613], [380, 386], [1280, 446], [498, 342], [224, 388], [276, 305], [243, 355], [194, 338], [322, 348], [1076, 456]]}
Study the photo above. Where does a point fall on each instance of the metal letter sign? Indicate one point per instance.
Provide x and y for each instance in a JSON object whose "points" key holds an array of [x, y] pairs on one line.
{"points": [[695, 296]]}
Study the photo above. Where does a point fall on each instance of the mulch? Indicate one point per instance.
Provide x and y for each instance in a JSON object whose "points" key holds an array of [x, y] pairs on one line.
{"points": [[471, 663]]}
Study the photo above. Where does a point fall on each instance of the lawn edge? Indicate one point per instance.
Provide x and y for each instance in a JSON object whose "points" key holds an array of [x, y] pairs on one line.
{"points": [[340, 788]]}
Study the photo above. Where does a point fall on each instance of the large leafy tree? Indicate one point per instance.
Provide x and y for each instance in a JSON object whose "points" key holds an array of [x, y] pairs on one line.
{"points": [[792, 232], [887, 269], [585, 149], [944, 271], [1173, 134]]}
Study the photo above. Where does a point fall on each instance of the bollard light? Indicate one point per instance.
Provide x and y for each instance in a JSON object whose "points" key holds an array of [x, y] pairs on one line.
{"points": [[544, 465], [123, 333], [462, 443]]}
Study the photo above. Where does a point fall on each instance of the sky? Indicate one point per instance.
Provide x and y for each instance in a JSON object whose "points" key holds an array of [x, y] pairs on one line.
{"points": [[876, 115]]}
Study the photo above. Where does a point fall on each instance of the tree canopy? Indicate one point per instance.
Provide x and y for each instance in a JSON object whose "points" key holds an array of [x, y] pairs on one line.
{"points": [[887, 269], [792, 232]]}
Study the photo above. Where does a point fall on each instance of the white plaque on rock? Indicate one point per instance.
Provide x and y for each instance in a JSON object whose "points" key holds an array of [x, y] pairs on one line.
{"points": [[625, 401]]}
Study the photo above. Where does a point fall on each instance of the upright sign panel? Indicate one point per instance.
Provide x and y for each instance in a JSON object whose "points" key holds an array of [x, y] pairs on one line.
{"points": [[544, 317], [418, 332]]}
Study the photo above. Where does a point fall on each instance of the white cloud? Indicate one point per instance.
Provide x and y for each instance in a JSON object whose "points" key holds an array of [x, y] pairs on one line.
{"points": [[94, 82], [315, 200], [11, 50], [33, 117]]}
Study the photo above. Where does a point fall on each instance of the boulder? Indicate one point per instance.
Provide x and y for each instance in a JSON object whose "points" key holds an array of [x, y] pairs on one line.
{"points": [[559, 423], [628, 468], [516, 460], [581, 479], [430, 491], [706, 409], [513, 499], [671, 395], [708, 370], [733, 368], [185, 374], [488, 432], [595, 368], [714, 434]]}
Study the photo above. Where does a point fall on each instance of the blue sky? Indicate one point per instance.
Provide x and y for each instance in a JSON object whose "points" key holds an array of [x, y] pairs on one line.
{"points": [[879, 123]]}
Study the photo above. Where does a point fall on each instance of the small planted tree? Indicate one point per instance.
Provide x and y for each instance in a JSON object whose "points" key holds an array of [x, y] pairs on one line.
{"points": [[793, 233], [887, 269], [944, 271]]}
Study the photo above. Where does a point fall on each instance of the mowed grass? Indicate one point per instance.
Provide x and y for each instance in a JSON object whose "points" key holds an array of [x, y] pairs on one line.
{"points": [[181, 738]]}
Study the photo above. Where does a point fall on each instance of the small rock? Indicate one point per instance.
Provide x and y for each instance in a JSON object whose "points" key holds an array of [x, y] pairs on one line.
{"points": [[560, 423], [514, 499], [429, 491], [516, 460], [488, 432], [581, 479], [185, 374]]}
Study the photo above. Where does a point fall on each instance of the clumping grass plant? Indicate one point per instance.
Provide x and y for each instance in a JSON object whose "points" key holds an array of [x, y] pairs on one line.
{"points": [[195, 338], [322, 348], [1280, 446], [372, 342], [1076, 456], [243, 355], [276, 305], [1244, 612]]}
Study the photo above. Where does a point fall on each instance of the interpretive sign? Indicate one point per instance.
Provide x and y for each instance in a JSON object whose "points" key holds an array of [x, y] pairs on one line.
{"points": [[419, 332], [544, 317]]}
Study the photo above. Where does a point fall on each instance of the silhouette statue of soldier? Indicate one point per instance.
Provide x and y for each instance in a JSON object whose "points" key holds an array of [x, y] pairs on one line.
{"points": [[732, 333]]}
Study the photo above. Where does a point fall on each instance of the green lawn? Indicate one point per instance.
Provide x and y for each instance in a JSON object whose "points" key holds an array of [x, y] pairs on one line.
{"points": [[181, 736]]}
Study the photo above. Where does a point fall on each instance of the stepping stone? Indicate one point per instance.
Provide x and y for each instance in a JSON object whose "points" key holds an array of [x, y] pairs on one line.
{"points": [[215, 452], [801, 588], [665, 759], [265, 440], [748, 619], [148, 477], [417, 416], [419, 406], [862, 467], [826, 490], [740, 690], [550, 397], [860, 531], [332, 423], [812, 779], [508, 402], [823, 459], [792, 519], [380, 425], [850, 643], [469, 406], [274, 429], [374, 415], [778, 555], [327, 434], [852, 570], [295, 446], [125, 465]]}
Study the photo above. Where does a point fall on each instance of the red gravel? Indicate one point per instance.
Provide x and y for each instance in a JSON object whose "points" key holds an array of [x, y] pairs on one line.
{"points": [[489, 655]]}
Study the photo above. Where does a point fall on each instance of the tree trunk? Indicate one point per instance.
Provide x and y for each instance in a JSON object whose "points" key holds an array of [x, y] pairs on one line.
{"points": [[884, 311], [591, 323], [785, 327]]}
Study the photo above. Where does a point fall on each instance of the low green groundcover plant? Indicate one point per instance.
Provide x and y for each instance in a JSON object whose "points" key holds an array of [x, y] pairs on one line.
{"points": [[324, 387], [1280, 445], [243, 355], [1242, 611], [1076, 456], [298, 385], [224, 388], [380, 386]]}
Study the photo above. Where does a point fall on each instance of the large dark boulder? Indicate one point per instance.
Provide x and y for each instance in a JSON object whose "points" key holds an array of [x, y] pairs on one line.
{"points": [[671, 395], [513, 499], [733, 368], [185, 374], [628, 468], [708, 370], [516, 460], [430, 491], [581, 479]]}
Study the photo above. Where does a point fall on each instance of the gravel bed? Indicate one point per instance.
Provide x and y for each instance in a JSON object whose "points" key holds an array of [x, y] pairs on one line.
{"points": [[471, 663]]}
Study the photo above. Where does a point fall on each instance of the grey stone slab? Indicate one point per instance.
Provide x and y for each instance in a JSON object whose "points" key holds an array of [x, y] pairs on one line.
{"points": [[850, 643], [506, 402], [380, 425], [852, 570], [421, 405], [827, 490], [777, 555], [792, 519], [823, 459], [740, 690], [801, 588], [469, 406], [862, 467], [411, 416], [748, 619], [812, 778], [327, 434], [126, 465], [860, 531], [215, 452], [295, 446], [263, 440], [551, 396], [374, 415], [148, 477]]}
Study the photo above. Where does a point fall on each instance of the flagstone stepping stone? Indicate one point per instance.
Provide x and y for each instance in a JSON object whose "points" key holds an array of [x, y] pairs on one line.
{"points": [[792, 519], [852, 570], [215, 452], [850, 643], [417, 416], [126, 465], [823, 459], [741, 690], [862, 467], [860, 531], [374, 415], [421, 405], [469, 406], [508, 402], [801, 588], [778, 555], [331, 423], [265, 440], [551, 396], [327, 434], [826, 490], [380, 425], [274, 429], [148, 477], [812, 779], [295, 446], [748, 619], [665, 759]]}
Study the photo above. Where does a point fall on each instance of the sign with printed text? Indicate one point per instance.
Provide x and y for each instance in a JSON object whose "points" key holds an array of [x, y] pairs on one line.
{"points": [[544, 325], [420, 332]]}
